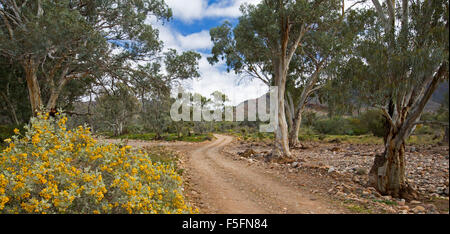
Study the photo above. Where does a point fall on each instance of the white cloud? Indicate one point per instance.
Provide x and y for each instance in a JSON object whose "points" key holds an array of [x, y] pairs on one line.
{"points": [[172, 38], [195, 41], [189, 11], [237, 88]]}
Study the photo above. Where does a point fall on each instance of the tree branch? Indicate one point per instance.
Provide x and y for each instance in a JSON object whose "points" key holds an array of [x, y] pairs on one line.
{"points": [[381, 14]]}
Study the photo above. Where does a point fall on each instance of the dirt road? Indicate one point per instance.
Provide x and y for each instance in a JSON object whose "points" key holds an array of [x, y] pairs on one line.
{"points": [[224, 185]]}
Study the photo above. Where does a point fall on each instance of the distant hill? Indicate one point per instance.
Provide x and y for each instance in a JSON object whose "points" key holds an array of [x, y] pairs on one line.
{"points": [[314, 105], [437, 98]]}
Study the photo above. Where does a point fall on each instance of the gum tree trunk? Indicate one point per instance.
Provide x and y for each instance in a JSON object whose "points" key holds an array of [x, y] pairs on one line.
{"points": [[296, 109], [33, 85], [281, 144], [293, 133], [387, 174], [56, 90]]}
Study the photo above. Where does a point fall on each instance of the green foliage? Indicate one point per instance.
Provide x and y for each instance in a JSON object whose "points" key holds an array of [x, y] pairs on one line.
{"points": [[359, 209], [369, 122], [373, 121], [335, 125], [183, 66], [387, 202], [69, 44], [309, 118], [259, 30]]}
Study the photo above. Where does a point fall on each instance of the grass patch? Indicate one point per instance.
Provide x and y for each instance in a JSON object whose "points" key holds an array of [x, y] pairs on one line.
{"points": [[423, 139], [387, 202], [363, 139], [358, 209], [368, 139]]}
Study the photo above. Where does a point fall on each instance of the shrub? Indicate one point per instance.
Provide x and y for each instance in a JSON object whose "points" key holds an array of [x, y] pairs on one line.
{"points": [[50, 169], [334, 126], [309, 118], [374, 121], [423, 130], [358, 127]]}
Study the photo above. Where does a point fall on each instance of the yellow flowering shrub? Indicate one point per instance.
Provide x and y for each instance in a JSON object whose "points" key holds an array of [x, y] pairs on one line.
{"points": [[50, 169]]}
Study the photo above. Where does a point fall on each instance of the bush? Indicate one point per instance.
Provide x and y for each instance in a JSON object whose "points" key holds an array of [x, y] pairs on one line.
{"points": [[358, 127], [49, 169], [371, 121], [424, 130], [334, 126], [374, 121], [309, 118]]}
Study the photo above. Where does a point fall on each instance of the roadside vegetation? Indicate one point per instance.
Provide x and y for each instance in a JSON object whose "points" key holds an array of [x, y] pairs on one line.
{"points": [[365, 128], [51, 169]]}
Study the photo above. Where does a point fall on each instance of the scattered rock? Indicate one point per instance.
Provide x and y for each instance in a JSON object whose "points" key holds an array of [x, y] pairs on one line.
{"points": [[336, 140], [418, 209], [304, 147], [341, 194], [431, 207], [427, 171], [247, 153], [361, 171], [414, 202], [335, 149]]}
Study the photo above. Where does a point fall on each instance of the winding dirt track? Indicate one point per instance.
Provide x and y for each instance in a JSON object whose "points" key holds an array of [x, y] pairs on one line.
{"points": [[228, 186]]}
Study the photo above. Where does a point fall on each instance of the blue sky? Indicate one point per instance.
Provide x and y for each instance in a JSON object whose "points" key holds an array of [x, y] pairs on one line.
{"points": [[189, 30]]}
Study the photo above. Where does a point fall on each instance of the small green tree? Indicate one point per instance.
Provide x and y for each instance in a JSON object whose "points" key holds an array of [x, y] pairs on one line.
{"points": [[117, 107]]}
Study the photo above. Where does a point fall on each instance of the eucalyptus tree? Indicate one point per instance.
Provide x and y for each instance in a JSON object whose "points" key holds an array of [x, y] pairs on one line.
{"points": [[397, 64], [58, 41], [263, 45], [313, 65]]}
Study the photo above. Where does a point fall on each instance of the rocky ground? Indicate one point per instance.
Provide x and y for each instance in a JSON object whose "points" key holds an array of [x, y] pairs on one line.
{"points": [[340, 170]]}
